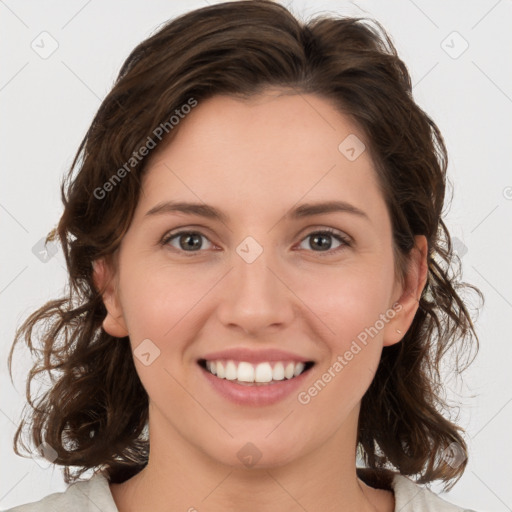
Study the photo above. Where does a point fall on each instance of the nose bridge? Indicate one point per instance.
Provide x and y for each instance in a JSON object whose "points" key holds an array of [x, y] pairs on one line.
{"points": [[255, 298], [254, 282]]}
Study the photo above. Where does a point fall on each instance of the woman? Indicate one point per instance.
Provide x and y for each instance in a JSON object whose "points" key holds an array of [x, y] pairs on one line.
{"points": [[216, 350]]}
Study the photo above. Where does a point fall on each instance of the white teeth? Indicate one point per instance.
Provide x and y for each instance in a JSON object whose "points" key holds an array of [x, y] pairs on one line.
{"points": [[278, 372], [212, 367], [299, 368], [231, 371], [220, 370], [288, 371], [245, 372], [260, 373], [263, 373]]}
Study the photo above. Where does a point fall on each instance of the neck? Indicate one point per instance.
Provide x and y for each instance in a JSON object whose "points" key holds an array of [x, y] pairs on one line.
{"points": [[179, 476]]}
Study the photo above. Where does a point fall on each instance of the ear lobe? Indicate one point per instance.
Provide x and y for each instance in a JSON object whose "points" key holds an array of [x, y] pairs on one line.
{"points": [[409, 301], [104, 282]]}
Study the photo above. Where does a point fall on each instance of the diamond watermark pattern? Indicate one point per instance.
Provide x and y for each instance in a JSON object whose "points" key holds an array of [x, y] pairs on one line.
{"points": [[454, 45], [249, 250], [454, 455], [146, 352], [351, 147], [49, 455], [249, 455], [45, 251], [45, 45], [459, 247]]}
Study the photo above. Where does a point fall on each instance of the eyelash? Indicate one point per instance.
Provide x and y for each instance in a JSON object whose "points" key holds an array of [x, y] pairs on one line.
{"points": [[346, 242]]}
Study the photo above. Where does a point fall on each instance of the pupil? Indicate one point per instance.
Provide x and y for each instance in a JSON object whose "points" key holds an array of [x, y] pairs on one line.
{"points": [[319, 237], [195, 244]]}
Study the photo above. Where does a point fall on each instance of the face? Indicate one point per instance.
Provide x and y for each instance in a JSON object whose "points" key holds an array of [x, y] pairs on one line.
{"points": [[266, 275]]}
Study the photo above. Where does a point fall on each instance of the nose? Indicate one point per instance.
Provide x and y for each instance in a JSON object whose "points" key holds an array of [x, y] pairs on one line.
{"points": [[256, 297]]}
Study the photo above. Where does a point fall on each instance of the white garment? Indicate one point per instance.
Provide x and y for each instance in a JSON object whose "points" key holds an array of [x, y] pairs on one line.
{"points": [[94, 495]]}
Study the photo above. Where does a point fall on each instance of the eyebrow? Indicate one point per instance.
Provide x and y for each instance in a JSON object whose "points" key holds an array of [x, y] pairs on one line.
{"points": [[210, 212]]}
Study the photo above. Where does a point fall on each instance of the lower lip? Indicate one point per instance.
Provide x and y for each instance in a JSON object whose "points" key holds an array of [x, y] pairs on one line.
{"points": [[268, 394]]}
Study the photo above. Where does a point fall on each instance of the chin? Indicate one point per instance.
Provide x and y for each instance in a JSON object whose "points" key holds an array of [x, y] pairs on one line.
{"points": [[255, 452]]}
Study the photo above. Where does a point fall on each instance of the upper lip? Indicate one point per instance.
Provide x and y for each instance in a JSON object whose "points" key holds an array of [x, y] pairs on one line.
{"points": [[255, 356]]}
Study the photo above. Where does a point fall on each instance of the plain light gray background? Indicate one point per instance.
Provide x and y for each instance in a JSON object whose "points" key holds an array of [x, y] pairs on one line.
{"points": [[48, 103]]}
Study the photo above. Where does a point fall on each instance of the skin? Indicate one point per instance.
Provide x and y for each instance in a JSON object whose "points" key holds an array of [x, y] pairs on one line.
{"points": [[256, 160]]}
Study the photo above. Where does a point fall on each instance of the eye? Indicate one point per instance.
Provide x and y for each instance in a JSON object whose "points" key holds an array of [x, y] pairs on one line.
{"points": [[191, 241], [187, 241], [323, 240]]}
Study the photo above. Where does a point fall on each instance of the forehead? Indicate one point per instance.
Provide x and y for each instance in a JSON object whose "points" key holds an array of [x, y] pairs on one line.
{"points": [[273, 150]]}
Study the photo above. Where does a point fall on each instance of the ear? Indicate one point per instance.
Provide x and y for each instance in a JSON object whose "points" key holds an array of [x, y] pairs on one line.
{"points": [[409, 294], [104, 283]]}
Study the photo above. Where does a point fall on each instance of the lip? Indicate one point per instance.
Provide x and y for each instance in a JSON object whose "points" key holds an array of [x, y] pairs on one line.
{"points": [[255, 356], [268, 394]]}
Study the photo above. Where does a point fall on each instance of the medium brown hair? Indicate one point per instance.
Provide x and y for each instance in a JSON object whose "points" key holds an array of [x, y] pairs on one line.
{"points": [[94, 415]]}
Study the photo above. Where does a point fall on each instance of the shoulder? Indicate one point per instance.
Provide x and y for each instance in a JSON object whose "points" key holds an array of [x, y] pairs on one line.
{"points": [[409, 496], [412, 497], [86, 495]]}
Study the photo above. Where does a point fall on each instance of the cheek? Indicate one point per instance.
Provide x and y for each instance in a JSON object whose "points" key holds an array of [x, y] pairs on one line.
{"points": [[352, 307], [350, 301], [158, 304], [164, 308], [157, 299]]}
